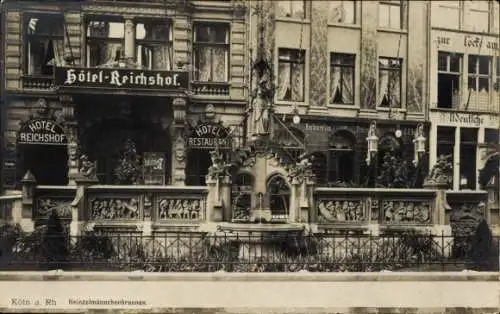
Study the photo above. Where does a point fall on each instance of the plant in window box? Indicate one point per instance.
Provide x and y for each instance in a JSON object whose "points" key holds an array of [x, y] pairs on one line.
{"points": [[129, 167]]}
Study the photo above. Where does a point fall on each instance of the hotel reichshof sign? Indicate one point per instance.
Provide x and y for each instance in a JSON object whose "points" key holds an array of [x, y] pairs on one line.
{"points": [[42, 132], [74, 77]]}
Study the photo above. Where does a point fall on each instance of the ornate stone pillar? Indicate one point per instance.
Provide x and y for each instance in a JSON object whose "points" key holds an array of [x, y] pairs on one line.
{"points": [[294, 200], [71, 128], [179, 143], [129, 40], [226, 198]]}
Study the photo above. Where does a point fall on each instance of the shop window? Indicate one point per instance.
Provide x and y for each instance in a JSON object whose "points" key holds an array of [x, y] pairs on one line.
{"points": [[342, 12], [154, 45], [342, 68], [44, 43], [478, 84], [211, 52], [449, 73], [198, 162], [477, 16], [497, 84], [446, 14], [241, 194], [105, 40], [490, 174], [340, 162], [389, 75], [390, 14], [291, 74], [468, 158], [291, 8], [279, 197], [446, 144]]}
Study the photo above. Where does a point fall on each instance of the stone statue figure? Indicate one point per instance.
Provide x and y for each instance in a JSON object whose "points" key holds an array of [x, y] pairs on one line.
{"points": [[218, 167], [261, 108], [87, 167]]}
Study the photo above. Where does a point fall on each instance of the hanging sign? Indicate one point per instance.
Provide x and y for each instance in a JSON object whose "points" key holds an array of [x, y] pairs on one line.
{"points": [[42, 132], [154, 168], [209, 135]]}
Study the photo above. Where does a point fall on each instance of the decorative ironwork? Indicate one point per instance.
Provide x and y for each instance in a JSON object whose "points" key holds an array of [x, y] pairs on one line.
{"points": [[418, 212], [115, 208], [332, 211]]}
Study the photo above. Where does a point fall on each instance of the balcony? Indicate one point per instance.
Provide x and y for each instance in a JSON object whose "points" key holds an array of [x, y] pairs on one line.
{"points": [[210, 88], [38, 82]]}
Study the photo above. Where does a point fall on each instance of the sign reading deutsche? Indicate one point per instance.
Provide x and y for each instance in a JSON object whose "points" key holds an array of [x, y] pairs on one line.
{"points": [[209, 136], [120, 78], [42, 131]]}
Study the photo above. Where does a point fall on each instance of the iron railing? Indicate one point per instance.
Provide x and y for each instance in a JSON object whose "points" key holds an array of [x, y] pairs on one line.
{"points": [[191, 252]]}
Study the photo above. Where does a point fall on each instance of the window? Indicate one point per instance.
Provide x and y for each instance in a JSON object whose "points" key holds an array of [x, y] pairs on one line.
{"points": [[241, 194], [390, 14], [445, 145], [279, 198], [389, 80], [340, 164], [45, 43], [342, 78], [446, 14], [291, 68], [291, 8], [198, 162], [449, 73], [477, 16], [104, 42], [479, 76], [497, 85], [211, 52], [154, 45], [342, 12], [468, 148]]}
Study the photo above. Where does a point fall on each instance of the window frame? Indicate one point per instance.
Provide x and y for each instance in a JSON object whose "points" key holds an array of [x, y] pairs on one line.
{"points": [[342, 3], [388, 69], [29, 38], [227, 28], [301, 60], [390, 4], [101, 40], [343, 66], [291, 10], [477, 75], [154, 42]]}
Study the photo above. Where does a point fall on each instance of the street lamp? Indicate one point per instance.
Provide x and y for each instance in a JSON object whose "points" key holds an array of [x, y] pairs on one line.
{"points": [[419, 143], [372, 141]]}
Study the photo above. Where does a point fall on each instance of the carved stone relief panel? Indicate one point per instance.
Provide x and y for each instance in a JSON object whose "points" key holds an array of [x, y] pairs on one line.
{"points": [[341, 210], [114, 208], [181, 208], [406, 211], [46, 204]]}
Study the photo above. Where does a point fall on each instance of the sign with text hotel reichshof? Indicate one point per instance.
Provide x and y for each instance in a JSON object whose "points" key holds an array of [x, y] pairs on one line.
{"points": [[109, 78], [42, 132]]}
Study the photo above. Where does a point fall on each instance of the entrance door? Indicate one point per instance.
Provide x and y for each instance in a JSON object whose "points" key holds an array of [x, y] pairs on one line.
{"points": [[48, 163]]}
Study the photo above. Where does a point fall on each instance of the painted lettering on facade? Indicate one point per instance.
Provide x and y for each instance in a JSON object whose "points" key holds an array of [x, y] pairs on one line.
{"points": [[209, 136], [441, 40], [318, 128], [477, 42], [463, 118], [42, 131], [120, 78]]}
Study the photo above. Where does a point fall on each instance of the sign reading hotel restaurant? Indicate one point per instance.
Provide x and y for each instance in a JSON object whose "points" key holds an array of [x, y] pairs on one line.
{"points": [[120, 78], [209, 135], [42, 131]]}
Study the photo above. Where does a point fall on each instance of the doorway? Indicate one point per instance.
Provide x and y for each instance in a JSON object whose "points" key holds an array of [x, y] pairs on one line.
{"points": [[47, 163]]}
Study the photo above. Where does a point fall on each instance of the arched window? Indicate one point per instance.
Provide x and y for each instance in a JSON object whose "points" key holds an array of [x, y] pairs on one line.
{"points": [[279, 198], [198, 162], [340, 162], [241, 194]]}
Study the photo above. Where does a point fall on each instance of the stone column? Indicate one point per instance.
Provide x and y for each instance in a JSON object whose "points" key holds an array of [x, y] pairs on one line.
{"points": [[225, 194], [440, 204], [294, 201], [211, 212], [178, 142], [71, 128], [129, 47], [456, 160]]}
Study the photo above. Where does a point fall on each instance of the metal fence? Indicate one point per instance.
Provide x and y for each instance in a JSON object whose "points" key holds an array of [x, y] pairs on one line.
{"points": [[207, 253]]}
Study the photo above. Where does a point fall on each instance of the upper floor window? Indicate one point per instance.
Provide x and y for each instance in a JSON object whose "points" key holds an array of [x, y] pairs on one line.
{"points": [[211, 52], [45, 43], [479, 78], [291, 74], [154, 45], [342, 78], [105, 40], [342, 12], [446, 14], [449, 74], [292, 8], [477, 16], [389, 81], [390, 14]]}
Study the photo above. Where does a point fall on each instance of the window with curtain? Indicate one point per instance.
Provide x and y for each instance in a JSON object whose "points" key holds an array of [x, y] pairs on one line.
{"points": [[342, 68], [211, 52], [342, 12], [154, 45], [446, 14], [477, 16], [389, 82], [291, 8], [449, 78], [479, 78], [105, 41], [44, 43], [291, 74], [390, 14]]}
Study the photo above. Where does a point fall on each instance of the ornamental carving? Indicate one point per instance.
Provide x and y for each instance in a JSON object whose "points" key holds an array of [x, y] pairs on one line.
{"points": [[117, 208], [219, 168], [418, 212], [46, 205], [181, 209], [341, 211], [441, 172], [87, 168], [300, 171]]}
